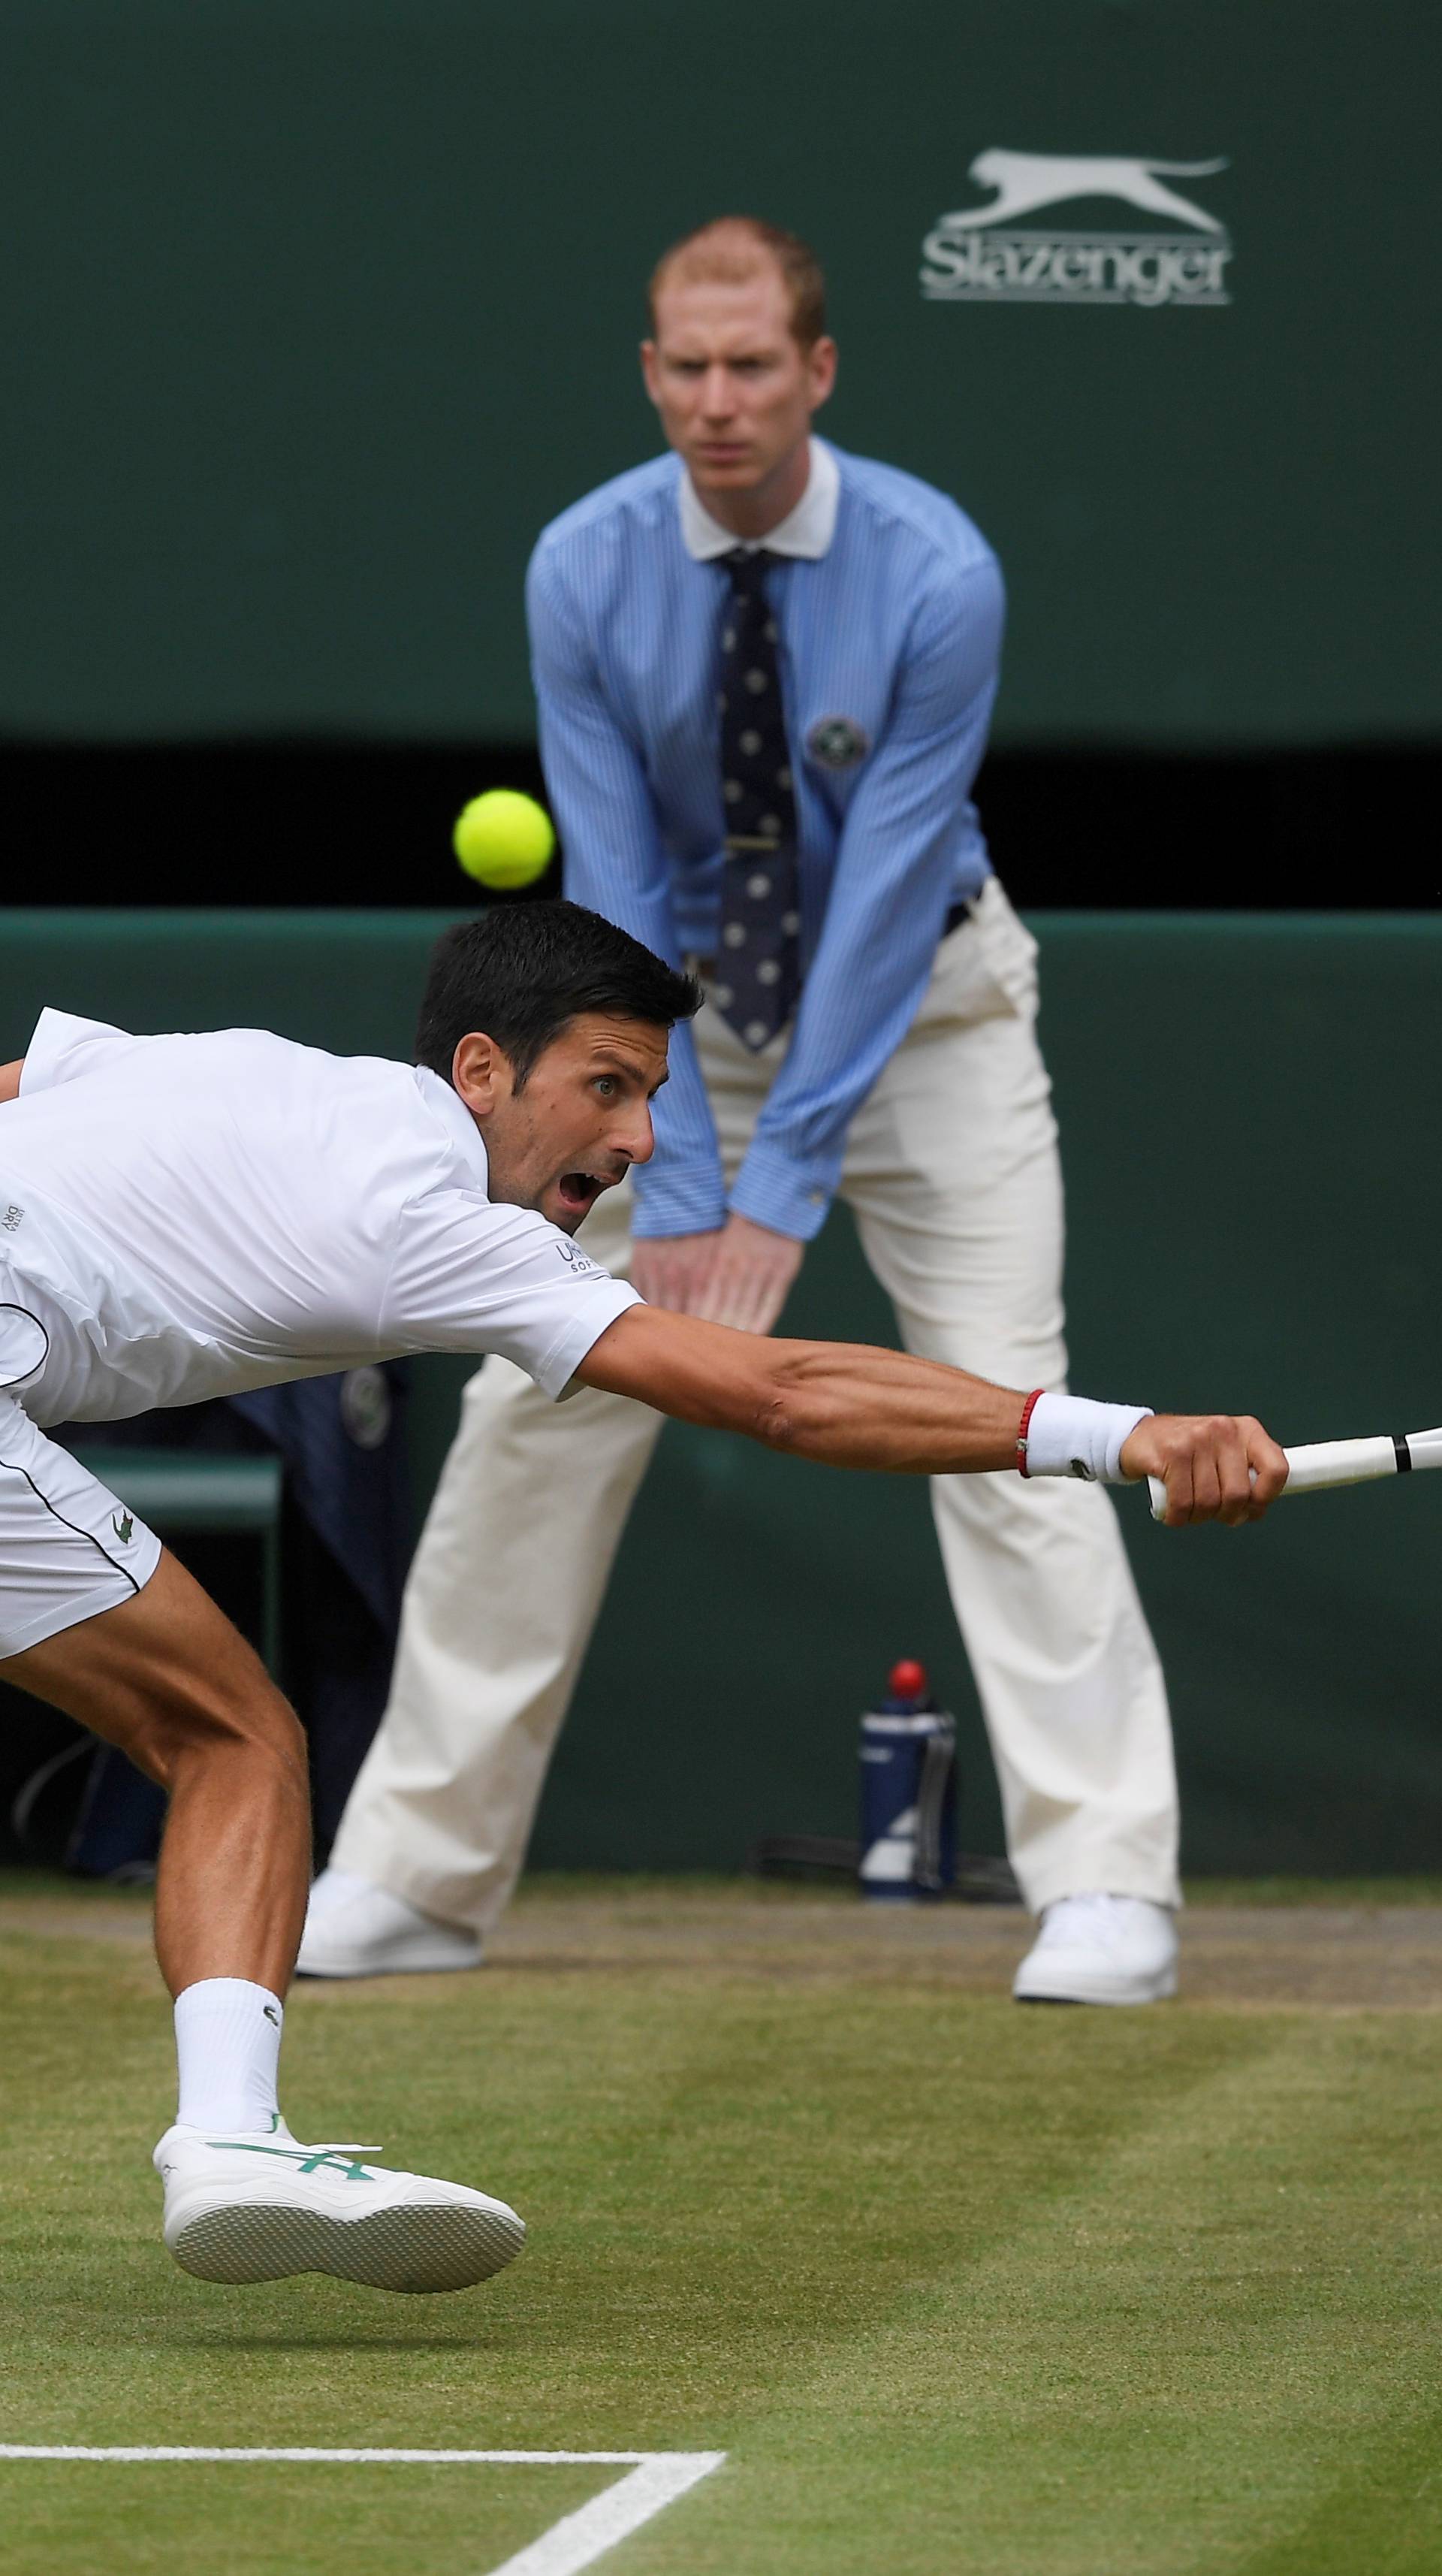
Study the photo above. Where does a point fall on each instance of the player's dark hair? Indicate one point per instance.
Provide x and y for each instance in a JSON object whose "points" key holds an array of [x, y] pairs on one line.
{"points": [[523, 971], [733, 247]]}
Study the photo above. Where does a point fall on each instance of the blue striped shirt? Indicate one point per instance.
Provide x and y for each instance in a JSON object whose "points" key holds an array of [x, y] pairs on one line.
{"points": [[897, 630]]}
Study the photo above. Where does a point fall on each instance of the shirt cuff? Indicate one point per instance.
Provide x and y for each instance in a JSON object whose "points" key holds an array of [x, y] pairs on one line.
{"points": [[680, 1198], [789, 1197]]}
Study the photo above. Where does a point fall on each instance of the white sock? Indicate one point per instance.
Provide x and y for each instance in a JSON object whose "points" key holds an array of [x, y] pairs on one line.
{"points": [[227, 2045]]}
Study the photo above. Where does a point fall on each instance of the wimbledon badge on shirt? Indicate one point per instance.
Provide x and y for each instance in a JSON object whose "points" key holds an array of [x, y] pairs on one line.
{"points": [[837, 743]]}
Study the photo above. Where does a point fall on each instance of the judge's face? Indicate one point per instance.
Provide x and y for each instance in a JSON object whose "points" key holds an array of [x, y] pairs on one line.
{"points": [[734, 389], [576, 1124]]}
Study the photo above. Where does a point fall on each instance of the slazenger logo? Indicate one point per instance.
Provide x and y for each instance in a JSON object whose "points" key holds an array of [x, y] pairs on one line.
{"points": [[983, 255]]}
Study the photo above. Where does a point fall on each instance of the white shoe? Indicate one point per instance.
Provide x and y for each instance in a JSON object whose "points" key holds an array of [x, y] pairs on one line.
{"points": [[1100, 1950], [261, 2207], [354, 1929]]}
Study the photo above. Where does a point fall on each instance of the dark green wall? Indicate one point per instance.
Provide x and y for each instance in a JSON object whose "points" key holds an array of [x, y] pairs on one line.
{"points": [[317, 309], [1250, 1112]]}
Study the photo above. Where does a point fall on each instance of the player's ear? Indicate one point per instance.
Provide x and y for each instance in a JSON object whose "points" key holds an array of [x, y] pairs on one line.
{"points": [[648, 369], [481, 1073], [821, 368]]}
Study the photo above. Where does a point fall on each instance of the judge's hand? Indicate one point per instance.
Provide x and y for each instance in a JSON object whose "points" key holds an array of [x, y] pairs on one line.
{"points": [[750, 1276], [671, 1270], [1215, 1466], [739, 1274]]}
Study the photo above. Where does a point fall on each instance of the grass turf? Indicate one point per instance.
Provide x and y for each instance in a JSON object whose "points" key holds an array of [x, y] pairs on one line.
{"points": [[956, 2286]]}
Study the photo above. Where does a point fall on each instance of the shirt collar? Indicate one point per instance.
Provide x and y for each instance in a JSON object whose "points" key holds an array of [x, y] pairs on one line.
{"points": [[806, 531], [454, 1114]]}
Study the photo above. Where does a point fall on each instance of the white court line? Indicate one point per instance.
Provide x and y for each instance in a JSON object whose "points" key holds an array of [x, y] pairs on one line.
{"points": [[656, 2479]]}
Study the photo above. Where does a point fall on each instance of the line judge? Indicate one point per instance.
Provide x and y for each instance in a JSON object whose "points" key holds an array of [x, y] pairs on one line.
{"points": [[765, 671]]}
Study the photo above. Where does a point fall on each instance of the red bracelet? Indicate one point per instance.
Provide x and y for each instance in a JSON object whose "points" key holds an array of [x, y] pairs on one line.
{"points": [[1024, 1426]]}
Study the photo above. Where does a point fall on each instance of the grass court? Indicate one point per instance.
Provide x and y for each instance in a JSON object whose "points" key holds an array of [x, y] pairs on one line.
{"points": [[953, 2284]]}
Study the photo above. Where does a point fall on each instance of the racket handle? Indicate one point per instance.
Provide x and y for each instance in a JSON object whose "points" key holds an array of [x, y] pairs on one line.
{"points": [[1320, 1463]]}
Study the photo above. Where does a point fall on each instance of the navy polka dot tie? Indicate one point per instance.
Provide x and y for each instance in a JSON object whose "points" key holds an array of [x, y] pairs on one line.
{"points": [[758, 967]]}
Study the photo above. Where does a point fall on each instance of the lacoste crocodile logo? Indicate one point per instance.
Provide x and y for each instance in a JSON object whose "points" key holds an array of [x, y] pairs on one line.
{"points": [[123, 1525]]}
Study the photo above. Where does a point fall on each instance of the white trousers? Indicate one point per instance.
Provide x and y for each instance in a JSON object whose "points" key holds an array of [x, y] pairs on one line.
{"points": [[953, 1175]]}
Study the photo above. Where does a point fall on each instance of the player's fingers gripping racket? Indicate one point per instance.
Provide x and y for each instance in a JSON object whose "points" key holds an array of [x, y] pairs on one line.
{"points": [[1342, 1462]]}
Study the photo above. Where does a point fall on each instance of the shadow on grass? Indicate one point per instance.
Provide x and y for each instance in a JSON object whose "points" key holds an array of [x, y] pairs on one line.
{"points": [[329, 2339]]}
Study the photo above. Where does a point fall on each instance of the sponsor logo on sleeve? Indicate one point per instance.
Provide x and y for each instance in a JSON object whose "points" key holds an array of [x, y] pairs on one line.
{"points": [[13, 1219], [992, 255], [577, 1260]]}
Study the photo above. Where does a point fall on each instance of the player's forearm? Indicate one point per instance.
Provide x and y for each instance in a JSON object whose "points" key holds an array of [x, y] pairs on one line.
{"points": [[10, 1079], [838, 1402], [851, 1406]]}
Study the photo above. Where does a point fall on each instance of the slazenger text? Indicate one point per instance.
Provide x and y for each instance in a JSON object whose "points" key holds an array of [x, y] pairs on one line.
{"points": [[1074, 268]]}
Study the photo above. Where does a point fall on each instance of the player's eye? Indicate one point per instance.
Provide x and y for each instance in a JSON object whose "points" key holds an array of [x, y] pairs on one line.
{"points": [[607, 1085]]}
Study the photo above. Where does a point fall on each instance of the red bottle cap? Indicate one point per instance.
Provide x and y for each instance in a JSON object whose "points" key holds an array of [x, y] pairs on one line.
{"points": [[908, 1680]]}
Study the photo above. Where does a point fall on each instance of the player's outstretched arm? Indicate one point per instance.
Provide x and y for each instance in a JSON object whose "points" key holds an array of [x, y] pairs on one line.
{"points": [[841, 1402], [849, 1405]]}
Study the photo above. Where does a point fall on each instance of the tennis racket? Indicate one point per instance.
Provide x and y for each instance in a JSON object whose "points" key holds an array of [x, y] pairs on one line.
{"points": [[1342, 1462]]}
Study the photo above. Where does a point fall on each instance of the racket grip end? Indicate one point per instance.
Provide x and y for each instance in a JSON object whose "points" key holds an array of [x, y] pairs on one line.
{"points": [[1158, 1493]]}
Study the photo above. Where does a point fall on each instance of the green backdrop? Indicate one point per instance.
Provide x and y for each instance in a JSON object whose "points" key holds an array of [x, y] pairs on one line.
{"points": [[315, 310], [1249, 1110]]}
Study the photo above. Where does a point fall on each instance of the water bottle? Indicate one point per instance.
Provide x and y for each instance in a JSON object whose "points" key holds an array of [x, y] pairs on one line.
{"points": [[908, 1793]]}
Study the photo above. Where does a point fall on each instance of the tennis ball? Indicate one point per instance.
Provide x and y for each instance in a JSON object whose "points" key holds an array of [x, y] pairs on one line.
{"points": [[504, 838]]}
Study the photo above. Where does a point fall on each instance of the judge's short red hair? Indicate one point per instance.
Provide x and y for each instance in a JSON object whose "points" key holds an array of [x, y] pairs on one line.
{"points": [[732, 248]]}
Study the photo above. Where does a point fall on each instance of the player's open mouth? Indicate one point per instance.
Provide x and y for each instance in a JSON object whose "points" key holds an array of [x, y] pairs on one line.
{"points": [[579, 1190]]}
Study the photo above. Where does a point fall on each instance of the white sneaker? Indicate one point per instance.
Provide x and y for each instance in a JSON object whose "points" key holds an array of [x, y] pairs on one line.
{"points": [[259, 2208], [354, 1929], [1100, 1950]]}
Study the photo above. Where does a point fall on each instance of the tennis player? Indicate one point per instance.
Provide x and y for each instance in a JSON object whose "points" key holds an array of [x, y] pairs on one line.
{"points": [[187, 1216]]}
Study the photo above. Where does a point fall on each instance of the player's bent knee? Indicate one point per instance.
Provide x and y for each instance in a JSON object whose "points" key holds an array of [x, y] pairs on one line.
{"points": [[258, 1721], [179, 1724]]}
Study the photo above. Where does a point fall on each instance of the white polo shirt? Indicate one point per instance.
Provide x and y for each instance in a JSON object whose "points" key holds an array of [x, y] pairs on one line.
{"points": [[183, 1217]]}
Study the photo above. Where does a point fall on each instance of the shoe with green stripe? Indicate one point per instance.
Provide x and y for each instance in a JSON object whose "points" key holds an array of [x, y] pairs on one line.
{"points": [[261, 2207]]}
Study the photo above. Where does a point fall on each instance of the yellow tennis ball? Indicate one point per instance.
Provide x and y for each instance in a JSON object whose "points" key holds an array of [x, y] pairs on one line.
{"points": [[504, 838]]}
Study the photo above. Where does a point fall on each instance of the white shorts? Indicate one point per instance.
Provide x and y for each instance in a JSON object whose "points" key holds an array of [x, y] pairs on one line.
{"points": [[68, 1546]]}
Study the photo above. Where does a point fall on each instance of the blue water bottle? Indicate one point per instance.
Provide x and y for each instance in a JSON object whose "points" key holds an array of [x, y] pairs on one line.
{"points": [[908, 1793]]}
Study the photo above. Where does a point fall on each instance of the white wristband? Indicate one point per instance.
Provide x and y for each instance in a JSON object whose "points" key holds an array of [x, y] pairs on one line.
{"points": [[1069, 1436]]}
